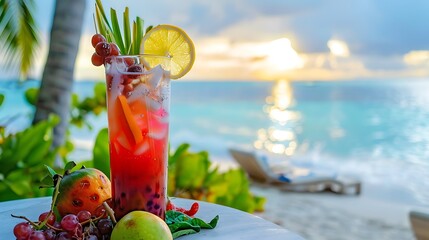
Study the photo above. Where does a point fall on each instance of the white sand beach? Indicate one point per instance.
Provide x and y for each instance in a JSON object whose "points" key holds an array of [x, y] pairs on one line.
{"points": [[320, 216]]}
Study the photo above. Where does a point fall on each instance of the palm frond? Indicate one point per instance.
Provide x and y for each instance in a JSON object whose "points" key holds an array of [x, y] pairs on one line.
{"points": [[18, 35]]}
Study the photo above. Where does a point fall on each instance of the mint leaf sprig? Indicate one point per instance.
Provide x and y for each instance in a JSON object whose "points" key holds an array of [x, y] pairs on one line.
{"points": [[181, 224], [130, 42]]}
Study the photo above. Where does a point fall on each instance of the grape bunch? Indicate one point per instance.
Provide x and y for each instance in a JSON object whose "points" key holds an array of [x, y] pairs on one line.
{"points": [[103, 49], [133, 65], [82, 226]]}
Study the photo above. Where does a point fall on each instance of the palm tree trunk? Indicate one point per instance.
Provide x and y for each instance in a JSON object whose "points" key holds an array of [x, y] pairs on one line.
{"points": [[57, 80]]}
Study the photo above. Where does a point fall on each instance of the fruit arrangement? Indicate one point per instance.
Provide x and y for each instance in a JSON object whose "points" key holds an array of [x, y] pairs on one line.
{"points": [[92, 220], [79, 208], [80, 226]]}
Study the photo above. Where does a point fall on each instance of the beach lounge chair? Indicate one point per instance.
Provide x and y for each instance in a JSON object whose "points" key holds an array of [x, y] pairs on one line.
{"points": [[420, 225], [293, 178]]}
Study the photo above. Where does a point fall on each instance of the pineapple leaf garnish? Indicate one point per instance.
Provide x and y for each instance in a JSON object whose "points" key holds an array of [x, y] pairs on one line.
{"points": [[127, 43], [103, 25], [117, 31], [138, 34], [127, 31]]}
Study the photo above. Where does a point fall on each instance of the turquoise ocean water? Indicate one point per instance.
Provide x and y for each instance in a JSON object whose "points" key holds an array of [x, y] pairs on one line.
{"points": [[377, 131]]}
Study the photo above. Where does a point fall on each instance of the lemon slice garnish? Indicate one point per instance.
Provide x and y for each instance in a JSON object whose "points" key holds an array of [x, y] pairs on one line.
{"points": [[173, 42]]}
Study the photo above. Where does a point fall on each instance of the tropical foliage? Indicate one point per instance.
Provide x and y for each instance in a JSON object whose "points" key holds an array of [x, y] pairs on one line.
{"points": [[193, 175], [80, 109], [18, 34], [23, 157]]}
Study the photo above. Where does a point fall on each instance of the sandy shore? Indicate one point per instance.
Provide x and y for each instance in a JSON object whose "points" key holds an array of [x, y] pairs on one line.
{"points": [[320, 216]]}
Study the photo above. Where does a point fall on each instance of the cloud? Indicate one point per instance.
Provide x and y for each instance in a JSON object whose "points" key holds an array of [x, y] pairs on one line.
{"points": [[380, 38], [417, 58], [370, 27]]}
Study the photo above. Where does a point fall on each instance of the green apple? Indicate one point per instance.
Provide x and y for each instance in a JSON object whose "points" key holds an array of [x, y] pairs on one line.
{"points": [[140, 225]]}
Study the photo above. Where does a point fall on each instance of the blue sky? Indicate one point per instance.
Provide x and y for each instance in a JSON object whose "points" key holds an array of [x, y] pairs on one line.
{"points": [[381, 38]]}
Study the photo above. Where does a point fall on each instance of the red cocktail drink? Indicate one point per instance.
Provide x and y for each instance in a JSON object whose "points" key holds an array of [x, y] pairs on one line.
{"points": [[138, 101]]}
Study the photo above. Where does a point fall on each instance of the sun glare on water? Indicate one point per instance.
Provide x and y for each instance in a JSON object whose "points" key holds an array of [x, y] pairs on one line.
{"points": [[280, 136]]}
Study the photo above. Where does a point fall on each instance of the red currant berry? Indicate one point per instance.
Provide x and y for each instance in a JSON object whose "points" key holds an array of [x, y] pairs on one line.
{"points": [[102, 49], [170, 206], [97, 38], [97, 60], [114, 50]]}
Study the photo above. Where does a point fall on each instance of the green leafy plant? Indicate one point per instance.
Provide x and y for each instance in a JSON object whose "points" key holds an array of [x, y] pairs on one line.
{"points": [[95, 104], [100, 153], [181, 224], [193, 175], [80, 109], [23, 157], [24, 154]]}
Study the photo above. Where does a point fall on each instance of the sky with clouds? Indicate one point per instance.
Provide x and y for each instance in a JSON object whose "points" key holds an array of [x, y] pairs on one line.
{"points": [[271, 39]]}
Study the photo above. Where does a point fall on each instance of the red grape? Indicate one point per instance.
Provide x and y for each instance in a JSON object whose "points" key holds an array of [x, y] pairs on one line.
{"points": [[129, 61], [100, 212], [37, 235], [97, 60], [63, 236], [102, 49], [92, 230], [77, 232], [51, 219], [83, 215], [136, 69], [114, 50], [97, 38], [105, 226], [69, 222], [22, 230], [57, 225], [50, 234]]}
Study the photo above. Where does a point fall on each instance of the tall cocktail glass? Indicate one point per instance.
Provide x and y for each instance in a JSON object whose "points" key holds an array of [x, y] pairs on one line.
{"points": [[138, 101]]}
